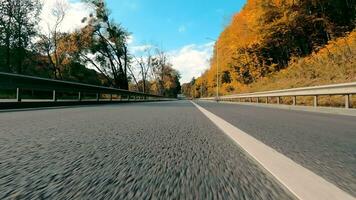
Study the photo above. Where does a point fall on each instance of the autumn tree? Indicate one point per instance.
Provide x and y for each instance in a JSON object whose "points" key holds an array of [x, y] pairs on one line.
{"points": [[165, 78], [187, 89], [144, 63], [268, 34], [49, 43]]}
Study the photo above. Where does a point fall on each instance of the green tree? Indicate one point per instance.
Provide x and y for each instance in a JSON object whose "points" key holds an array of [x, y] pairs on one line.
{"points": [[106, 46], [18, 20]]}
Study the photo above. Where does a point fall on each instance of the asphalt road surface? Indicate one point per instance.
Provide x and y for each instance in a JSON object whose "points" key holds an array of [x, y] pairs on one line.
{"points": [[165, 150], [323, 143]]}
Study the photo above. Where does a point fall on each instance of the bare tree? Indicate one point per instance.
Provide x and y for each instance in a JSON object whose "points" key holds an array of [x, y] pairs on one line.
{"points": [[144, 64], [155, 73], [49, 42], [159, 64]]}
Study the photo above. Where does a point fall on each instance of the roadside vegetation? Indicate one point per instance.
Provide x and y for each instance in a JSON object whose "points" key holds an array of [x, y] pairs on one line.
{"points": [[283, 44], [334, 63], [96, 54]]}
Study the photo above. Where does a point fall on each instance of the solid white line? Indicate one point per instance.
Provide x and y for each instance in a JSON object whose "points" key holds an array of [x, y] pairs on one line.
{"points": [[301, 182]]}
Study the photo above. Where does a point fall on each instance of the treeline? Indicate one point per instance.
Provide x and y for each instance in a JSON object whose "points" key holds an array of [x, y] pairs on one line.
{"points": [[334, 63], [96, 54], [267, 36]]}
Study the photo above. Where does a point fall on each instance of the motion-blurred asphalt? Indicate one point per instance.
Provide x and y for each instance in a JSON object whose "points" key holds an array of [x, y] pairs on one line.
{"points": [[323, 143], [165, 150]]}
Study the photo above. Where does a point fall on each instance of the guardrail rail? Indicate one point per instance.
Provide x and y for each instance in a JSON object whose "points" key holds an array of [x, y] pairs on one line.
{"points": [[20, 83], [345, 89]]}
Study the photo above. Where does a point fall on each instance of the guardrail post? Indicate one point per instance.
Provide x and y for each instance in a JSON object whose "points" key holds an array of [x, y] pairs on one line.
{"points": [[97, 97], [315, 101], [54, 96], [350, 97], [348, 101], [278, 100], [266, 100], [128, 98], [18, 95], [294, 100], [79, 96], [110, 97], [258, 100]]}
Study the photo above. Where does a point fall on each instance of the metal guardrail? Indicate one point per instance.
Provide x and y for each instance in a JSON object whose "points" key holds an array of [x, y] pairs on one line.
{"points": [[21, 82], [346, 89]]}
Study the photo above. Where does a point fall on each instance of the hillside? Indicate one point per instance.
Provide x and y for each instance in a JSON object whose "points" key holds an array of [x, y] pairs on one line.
{"points": [[335, 63], [282, 44]]}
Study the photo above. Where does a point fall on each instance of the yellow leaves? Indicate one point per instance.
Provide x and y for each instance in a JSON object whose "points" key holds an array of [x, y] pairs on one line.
{"points": [[335, 63], [269, 35], [154, 89]]}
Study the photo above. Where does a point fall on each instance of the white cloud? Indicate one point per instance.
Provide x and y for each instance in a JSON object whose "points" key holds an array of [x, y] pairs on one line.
{"points": [[130, 40], [140, 48], [75, 12], [191, 60], [135, 48]]}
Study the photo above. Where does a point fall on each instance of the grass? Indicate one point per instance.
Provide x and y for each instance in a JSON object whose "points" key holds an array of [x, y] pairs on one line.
{"points": [[335, 63]]}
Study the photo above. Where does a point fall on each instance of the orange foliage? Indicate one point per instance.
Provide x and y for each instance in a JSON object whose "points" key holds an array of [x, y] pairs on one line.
{"points": [[268, 36], [335, 63]]}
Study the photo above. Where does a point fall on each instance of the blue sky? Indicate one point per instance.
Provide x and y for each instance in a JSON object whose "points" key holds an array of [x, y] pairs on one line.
{"points": [[179, 27], [172, 24]]}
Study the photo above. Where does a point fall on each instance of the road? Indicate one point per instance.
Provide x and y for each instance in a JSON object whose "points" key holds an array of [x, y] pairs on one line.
{"points": [[165, 150], [323, 143], [147, 150]]}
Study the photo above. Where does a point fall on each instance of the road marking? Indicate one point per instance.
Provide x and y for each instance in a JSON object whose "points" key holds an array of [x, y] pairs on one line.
{"points": [[301, 182]]}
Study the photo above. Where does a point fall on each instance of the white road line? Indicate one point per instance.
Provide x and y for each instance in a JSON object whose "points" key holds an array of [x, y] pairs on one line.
{"points": [[301, 182]]}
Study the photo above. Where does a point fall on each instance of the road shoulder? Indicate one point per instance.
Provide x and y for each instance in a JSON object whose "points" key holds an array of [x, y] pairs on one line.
{"points": [[303, 183]]}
